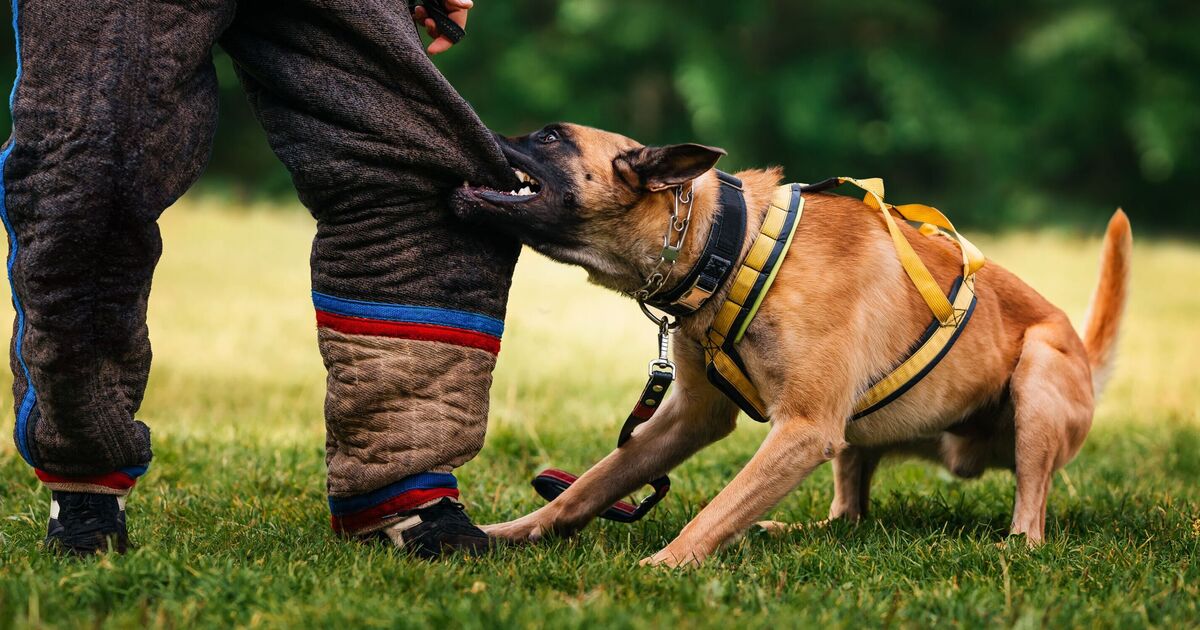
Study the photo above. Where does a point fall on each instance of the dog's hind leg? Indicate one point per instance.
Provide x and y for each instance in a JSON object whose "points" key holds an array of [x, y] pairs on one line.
{"points": [[852, 472], [793, 449], [696, 415], [1052, 394]]}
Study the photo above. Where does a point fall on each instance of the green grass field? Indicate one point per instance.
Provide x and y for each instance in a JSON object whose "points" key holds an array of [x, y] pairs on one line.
{"points": [[232, 529]]}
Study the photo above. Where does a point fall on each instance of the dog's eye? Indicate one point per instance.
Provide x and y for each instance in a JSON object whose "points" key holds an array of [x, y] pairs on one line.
{"points": [[549, 137]]}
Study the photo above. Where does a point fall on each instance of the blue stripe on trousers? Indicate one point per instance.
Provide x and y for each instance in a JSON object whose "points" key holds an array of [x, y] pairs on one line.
{"points": [[419, 481], [30, 397], [405, 313]]}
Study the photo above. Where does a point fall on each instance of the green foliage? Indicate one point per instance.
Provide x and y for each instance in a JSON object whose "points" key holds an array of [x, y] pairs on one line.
{"points": [[1018, 112]]}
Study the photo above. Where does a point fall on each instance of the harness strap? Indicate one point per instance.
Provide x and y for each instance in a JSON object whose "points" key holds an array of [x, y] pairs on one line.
{"points": [[951, 314], [973, 259], [750, 286], [927, 352], [716, 260]]}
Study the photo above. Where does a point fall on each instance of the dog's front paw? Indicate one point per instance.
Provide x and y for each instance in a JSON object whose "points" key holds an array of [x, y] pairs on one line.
{"points": [[674, 557], [525, 529]]}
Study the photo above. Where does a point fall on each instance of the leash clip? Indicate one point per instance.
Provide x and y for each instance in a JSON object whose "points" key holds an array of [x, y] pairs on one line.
{"points": [[663, 363]]}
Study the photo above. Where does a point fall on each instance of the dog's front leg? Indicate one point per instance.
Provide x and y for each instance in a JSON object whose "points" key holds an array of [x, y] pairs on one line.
{"points": [[793, 449], [696, 416]]}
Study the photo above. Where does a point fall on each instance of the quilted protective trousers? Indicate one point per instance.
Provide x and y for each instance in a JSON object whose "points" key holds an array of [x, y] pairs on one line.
{"points": [[114, 110]]}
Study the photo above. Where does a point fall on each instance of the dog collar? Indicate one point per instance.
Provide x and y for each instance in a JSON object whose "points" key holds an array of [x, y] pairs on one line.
{"points": [[716, 260]]}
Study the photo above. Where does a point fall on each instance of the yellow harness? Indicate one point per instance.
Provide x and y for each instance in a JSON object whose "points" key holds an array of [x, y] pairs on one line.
{"points": [[757, 272]]}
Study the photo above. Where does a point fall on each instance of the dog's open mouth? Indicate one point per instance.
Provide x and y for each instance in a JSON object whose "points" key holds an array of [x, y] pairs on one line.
{"points": [[530, 189]]}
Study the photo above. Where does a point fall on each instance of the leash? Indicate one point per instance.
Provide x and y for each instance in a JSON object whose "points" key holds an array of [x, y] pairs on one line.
{"points": [[436, 10], [552, 482], [706, 276]]}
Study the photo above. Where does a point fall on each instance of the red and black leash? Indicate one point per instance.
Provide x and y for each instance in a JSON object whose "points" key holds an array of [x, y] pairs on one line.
{"points": [[552, 482]]}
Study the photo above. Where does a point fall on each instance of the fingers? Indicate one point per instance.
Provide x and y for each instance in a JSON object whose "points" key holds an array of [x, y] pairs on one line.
{"points": [[457, 10], [422, 19], [442, 44]]}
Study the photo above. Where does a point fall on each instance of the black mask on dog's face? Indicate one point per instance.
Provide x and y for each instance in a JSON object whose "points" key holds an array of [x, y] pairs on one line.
{"points": [[571, 174], [576, 181], [545, 209]]}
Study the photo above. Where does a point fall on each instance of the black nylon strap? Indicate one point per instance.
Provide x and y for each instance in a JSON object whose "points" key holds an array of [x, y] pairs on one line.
{"points": [[721, 250], [436, 11], [822, 186]]}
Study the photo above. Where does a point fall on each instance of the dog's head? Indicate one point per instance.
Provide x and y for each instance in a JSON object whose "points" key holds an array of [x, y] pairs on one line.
{"points": [[587, 194]]}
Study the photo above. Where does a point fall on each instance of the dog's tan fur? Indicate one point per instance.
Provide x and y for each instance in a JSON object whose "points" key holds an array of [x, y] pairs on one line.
{"points": [[1016, 391]]}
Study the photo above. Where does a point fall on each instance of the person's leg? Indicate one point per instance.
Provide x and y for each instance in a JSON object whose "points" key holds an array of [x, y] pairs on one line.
{"points": [[409, 304], [113, 112]]}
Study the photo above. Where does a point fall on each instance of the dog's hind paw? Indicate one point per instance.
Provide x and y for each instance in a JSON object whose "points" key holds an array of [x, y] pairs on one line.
{"points": [[777, 528]]}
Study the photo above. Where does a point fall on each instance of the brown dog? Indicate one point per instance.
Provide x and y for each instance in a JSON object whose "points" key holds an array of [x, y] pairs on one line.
{"points": [[1015, 391]]}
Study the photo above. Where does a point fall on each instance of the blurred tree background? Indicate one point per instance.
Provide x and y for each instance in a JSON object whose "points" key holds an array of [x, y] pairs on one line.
{"points": [[1003, 112]]}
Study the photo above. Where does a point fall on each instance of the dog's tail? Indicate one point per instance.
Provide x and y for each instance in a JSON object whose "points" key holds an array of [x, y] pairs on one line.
{"points": [[1102, 324]]}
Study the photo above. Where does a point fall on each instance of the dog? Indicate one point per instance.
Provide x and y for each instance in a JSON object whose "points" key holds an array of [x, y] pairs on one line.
{"points": [[1016, 391]]}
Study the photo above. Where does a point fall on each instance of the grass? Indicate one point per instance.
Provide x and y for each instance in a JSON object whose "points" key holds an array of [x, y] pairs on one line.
{"points": [[232, 528]]}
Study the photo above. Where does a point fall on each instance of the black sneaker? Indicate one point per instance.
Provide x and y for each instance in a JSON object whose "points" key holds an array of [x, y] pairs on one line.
{"points": [[83, 523], [433, 531]]}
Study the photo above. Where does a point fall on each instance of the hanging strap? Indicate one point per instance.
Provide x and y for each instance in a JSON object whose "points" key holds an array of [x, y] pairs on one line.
{"points": [[932, 221]]}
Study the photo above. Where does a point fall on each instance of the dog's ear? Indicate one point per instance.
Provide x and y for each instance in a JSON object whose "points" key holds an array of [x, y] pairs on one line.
{"points": [[657, 168]]}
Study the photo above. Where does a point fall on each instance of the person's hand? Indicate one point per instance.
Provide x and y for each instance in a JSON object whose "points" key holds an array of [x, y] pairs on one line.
{"points": [[456, 9]]}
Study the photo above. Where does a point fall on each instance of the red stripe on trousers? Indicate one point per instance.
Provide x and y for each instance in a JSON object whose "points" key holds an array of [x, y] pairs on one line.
{"points": [[405, 330], [351, 523], [114, 480]]}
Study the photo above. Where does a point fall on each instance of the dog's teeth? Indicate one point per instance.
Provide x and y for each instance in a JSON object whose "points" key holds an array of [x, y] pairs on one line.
{"points": [[525, 191]]}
